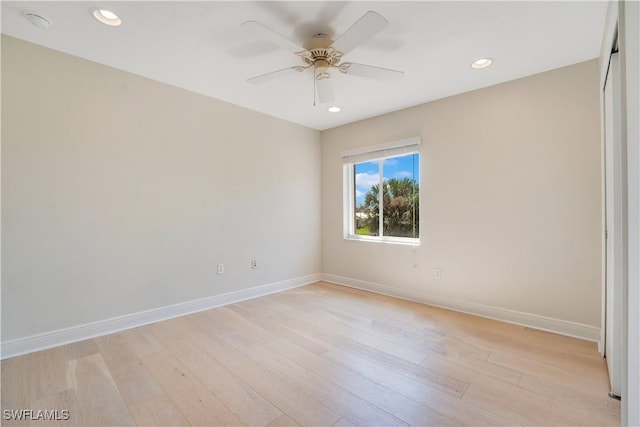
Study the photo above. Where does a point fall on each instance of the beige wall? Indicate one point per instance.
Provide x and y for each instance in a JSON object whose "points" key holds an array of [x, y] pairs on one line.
{"points": [[510, 198], [120, 194]]}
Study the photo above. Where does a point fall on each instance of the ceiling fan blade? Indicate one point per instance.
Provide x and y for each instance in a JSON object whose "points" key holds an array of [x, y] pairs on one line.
{"points": [[267, 33], [325, 90], [370, 24], [273, 75], [370, 71]]}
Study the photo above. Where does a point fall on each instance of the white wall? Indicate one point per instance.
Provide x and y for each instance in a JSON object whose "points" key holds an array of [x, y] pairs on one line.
{"points": [[120, 194], [510, 198]]}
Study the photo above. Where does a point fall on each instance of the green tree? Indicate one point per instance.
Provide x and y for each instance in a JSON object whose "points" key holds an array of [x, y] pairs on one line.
{"points": [[400, 208]]}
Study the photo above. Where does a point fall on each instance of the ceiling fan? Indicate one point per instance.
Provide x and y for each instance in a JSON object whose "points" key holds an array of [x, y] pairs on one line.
{"points": [[321, 54]]}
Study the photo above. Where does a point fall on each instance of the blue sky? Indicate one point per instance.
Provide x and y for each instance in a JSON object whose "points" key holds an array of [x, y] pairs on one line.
{"points": [[368, 174]]}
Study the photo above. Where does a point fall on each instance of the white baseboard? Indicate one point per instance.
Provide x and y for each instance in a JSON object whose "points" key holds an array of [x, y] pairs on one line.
{"points": [[85, 331], [558, 326], [59, 337]]}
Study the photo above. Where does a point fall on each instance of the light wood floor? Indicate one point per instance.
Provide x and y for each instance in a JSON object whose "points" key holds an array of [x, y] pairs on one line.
{"points": [[318, 355]]}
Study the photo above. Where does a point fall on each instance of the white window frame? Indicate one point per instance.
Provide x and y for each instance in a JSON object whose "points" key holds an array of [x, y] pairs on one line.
{"points": [[377, 152]]}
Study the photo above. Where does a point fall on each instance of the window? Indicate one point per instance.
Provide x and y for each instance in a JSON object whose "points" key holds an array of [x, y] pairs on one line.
{"points": [[394, 168]]}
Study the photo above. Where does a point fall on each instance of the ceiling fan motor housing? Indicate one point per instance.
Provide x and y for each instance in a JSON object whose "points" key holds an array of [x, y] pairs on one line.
{"points": [[320, 54]]}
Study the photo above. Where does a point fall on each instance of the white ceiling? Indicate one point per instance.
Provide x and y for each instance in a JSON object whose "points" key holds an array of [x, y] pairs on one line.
{"points": [[200, 46]]}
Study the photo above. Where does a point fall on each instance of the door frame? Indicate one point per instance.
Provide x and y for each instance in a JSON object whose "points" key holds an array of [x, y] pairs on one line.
{"points": [[615, 209]]}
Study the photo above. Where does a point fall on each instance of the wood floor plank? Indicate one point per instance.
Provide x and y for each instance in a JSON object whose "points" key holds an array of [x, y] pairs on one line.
{"points": [[457, 320], [196, 403], [587, 408], [158, 410], [135, 382], [16, 387], [344, 422], [115, 350], [142, 343], [48, 373], [408, 331], [127, 369], [519, 406], [81, 349], [264, 321], [354, 304], [470, 370], [247, 404], [400, 364], [236, 328], [278, 390], [382, 375], [418, 344], [369, 339], [55, 406], [463, 413], [579, 363], [459, 348], [536, 404], [99, 401], [283, 421], [555, 341], [542, 367], [317, 355], [396, 307], [322, 389], [399, 405]]}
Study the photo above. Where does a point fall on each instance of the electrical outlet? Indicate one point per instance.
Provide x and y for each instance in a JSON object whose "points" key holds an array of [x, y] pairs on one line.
{"points": [[437, 273], [220, 268], [254, 263]]}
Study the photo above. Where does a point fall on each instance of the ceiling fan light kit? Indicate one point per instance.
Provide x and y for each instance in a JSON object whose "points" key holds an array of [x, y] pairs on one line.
{"points": [[321, 54]]}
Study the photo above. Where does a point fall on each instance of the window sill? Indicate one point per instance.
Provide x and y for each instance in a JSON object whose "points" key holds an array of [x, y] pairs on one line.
{"points": [[390, 240]]}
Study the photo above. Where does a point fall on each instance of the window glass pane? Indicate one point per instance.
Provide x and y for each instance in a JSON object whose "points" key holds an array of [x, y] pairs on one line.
{"points": [[401, 196], [367, 182]]}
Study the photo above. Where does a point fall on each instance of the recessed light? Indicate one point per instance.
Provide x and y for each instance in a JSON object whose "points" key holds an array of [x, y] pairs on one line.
{"points": [[37, 20], [107, 17], [333, 109], [481, 63]]}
